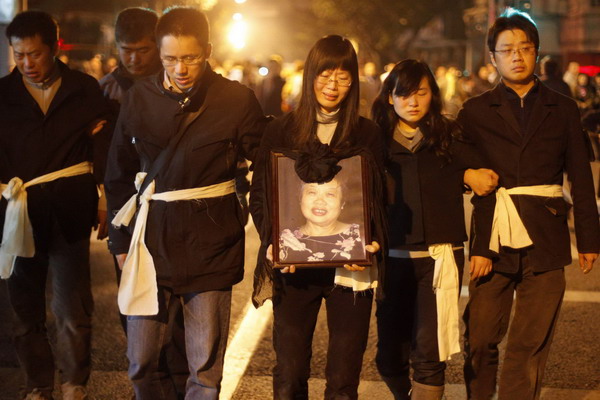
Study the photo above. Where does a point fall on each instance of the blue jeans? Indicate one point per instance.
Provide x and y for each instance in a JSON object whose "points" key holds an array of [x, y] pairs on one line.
{"points": [[68, 267], [206, 321]]}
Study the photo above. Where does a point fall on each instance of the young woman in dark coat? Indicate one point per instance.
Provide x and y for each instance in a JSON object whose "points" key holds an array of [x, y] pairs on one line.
{"points": [[325, 126], [427, 163]]}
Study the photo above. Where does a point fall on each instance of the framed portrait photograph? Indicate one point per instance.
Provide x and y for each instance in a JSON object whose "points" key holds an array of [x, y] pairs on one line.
{"points": [[320, 225]]}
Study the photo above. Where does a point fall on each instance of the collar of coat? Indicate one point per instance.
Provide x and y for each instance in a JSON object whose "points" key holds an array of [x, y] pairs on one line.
{"points": [[543, 107], [547, 96], [71, 84], [196, 94]]}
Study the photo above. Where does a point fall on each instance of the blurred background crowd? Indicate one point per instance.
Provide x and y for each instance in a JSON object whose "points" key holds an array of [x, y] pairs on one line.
{"points": [[261, 42]]}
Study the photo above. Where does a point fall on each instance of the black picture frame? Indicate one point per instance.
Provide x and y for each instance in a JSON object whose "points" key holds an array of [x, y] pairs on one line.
{"points": [[302, 212]]}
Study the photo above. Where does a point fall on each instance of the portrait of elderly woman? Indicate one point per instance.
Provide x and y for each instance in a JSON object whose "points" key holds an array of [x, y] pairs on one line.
{"points": [[321, 222]]}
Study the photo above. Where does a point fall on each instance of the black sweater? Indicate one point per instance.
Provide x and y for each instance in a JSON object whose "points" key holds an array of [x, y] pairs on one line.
{"points": [[426, 194]]}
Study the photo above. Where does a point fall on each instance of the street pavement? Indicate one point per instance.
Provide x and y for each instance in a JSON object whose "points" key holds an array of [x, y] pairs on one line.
{"points": [[572, 373]]}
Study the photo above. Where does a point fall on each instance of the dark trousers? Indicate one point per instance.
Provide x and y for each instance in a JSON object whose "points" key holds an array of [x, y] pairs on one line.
{"points": [[67, 266], [538, 300], [407, 325], [295, 309], [174, 362]]}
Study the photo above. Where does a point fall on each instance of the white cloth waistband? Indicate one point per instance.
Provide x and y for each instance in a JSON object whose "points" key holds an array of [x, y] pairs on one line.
{"points": [[507, 227], [398, 253], [138, 290], [17, 233]]}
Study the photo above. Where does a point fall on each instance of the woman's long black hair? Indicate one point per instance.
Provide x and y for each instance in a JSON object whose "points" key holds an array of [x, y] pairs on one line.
{"points": [[330, 52], [403, 80]]}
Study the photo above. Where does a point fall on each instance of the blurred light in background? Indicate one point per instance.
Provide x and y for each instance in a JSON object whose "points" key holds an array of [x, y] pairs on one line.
{"points": [[240, 1], [206, 4], [238, 32], [263, 71]]}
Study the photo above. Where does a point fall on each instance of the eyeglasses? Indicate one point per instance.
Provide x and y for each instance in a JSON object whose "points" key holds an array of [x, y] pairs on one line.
{"points": [[526, 51], [187, 60], [342, 81]]}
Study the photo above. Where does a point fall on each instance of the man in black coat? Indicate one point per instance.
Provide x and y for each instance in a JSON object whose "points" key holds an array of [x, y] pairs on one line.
{"points": [[139, 58], [187, 244], [529, 135], [51, 135]]}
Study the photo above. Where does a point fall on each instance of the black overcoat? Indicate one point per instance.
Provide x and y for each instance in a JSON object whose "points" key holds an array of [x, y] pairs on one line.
{"points": [[552, 144]]}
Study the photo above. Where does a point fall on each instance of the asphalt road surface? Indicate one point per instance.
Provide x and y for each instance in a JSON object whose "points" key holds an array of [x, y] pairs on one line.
{"points": [[573, 370]]}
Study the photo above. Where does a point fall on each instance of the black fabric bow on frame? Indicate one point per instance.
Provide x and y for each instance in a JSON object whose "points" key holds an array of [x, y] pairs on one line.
{"points": [[316, 163]]}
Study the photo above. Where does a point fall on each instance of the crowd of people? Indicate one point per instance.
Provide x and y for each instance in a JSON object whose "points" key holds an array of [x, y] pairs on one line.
{"points": [[277, 83], [150, 157]]}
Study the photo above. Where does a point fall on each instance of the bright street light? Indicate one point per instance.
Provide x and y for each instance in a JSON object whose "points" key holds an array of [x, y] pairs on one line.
{"points": [[238, 31]]}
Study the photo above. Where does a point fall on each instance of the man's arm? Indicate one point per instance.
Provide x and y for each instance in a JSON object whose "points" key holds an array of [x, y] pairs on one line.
{"points": [[122, 166], [259, 196], [252, 126], [585, 211], [483, 207], [100, 130]]}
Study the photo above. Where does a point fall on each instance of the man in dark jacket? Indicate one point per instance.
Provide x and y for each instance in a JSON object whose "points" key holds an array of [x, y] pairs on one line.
{"points": [[139, 58], [138, 54], [529, 135], [185, 128], [51, 134]]}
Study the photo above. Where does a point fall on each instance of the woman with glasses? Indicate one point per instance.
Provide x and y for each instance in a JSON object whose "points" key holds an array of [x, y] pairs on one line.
{"points": [[417, 317], [325, 126]]}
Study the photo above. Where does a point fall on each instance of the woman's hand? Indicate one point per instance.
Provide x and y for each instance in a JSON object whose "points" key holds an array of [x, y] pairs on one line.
{"points": [[482, 181], [371, 248], [290, 269]]}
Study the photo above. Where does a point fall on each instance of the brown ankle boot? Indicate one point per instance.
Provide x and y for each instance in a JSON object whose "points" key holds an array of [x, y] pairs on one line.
{"points": [[426, 392]]}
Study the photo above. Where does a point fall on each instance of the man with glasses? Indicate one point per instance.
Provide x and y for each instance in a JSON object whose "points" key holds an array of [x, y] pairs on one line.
{"points": [[180, 232], [529, 135], [139, 58]]}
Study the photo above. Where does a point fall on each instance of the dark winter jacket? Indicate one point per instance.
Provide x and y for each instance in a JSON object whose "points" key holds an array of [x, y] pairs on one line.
{"points": [[33, 144], [196, 245]]}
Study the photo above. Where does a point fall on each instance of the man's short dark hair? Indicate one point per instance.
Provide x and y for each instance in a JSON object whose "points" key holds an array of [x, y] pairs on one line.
{"points": [[513, 19], [550, 67], [134, 24], [183, 21], [28, 24]]}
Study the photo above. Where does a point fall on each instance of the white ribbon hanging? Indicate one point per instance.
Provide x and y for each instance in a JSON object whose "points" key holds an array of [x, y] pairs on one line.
{"points": [[138, 290], [445, 286], [17, 233]]}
